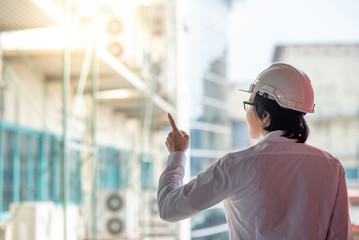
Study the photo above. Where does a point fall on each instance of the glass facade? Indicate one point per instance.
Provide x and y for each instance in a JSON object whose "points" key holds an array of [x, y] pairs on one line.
{"points": [[212, 221], [206, 64], [203, 139], [199, 164], [240, 133]]}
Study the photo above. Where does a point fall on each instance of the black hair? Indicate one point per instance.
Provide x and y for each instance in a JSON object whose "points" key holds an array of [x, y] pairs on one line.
{"points": [[290, 121]]}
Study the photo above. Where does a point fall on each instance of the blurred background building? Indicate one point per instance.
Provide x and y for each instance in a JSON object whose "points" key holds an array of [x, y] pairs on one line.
{"points": [[85, 87], [205, 72], [85, 91]]}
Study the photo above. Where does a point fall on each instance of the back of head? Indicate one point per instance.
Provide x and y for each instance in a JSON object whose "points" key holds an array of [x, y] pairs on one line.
{"points": [[286, 93], [290, 121]]}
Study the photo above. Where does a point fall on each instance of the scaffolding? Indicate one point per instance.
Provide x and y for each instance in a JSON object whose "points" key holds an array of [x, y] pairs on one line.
{"points": [[143, 107]]}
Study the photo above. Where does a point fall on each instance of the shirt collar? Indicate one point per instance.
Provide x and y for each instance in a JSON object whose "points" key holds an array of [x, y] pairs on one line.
{"points": [[275, 136]]}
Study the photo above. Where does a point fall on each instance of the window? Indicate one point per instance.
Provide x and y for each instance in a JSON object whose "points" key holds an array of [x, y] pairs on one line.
{"points": [[240, 135], [31, 168], [351, 173], [214, 90], [201, 139], [75, 177], [55, 187], [199, 164], [208, 219], [147, 171], [7, 169], [113, 169]]}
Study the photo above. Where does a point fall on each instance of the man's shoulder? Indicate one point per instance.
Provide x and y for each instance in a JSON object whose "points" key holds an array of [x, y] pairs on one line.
{"points": [[262, 150], [240, 156], [319, 151]]}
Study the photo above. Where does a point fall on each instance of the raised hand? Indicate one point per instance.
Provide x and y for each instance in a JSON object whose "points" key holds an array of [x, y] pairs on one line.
{"points": [[177, 140]]}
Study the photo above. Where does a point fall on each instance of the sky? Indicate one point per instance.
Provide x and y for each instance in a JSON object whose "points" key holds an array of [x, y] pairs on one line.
{"points": [[257, 26]]}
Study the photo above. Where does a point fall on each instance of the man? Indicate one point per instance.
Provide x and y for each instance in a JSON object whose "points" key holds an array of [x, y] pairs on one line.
{"points": [[280, 188]]}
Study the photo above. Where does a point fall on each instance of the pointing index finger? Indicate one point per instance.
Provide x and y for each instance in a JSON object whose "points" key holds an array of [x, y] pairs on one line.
{"points": [[172, 122]]}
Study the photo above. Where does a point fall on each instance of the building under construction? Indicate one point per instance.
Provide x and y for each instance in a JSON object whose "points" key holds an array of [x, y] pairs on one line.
{"points": [[85, 87]]}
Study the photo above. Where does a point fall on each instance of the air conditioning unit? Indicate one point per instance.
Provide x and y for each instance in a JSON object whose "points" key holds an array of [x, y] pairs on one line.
{"points": [[149, 202], [33, 220], [116, 217], [117, 35], [152, 226]]}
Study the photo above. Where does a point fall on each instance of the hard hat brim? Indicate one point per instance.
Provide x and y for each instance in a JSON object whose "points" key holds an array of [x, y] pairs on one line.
{"points": [[250, 90]]}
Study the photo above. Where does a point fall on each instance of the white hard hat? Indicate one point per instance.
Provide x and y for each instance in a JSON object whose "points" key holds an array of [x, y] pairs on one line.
{"points": [[287, 85]]}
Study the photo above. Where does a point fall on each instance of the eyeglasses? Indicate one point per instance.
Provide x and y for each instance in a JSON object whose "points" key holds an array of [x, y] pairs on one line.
{"points": [[247, 105]]}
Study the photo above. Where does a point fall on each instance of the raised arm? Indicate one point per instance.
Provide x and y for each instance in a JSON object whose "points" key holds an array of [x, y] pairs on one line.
{"points": [[177, 201]]}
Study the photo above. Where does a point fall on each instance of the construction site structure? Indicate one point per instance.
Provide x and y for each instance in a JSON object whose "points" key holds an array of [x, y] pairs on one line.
{"points": [[85, 88]]}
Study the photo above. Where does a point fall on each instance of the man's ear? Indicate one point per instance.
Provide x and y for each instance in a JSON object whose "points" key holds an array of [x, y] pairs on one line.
{"points": [[266, 118]]}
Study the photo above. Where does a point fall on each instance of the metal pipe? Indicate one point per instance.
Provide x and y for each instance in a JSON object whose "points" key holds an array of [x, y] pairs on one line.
{"points": [[83, 76], [65, 82], [2, 85], [94, 80], [66, 68]]}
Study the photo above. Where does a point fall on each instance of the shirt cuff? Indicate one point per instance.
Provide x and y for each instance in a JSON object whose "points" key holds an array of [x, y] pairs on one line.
{"points": [[177, 157]]}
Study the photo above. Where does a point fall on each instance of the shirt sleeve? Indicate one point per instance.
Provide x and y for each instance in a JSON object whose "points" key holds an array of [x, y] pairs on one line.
{"points": [[177, 201], [340, 225]]}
